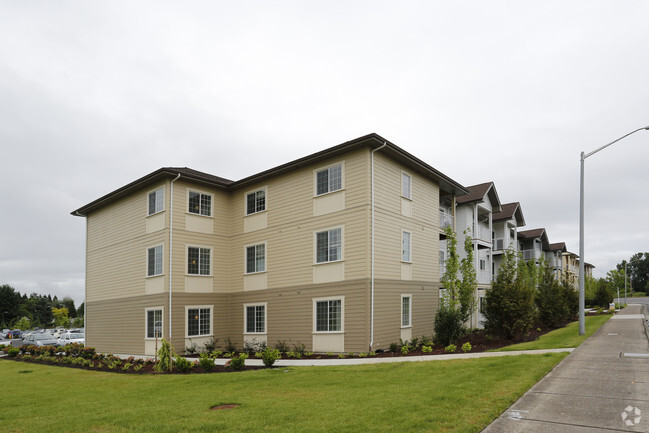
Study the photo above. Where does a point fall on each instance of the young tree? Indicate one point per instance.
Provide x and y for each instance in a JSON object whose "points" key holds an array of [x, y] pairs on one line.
{"points": [[570, 296], [10, 301], [61, 317], [450, 280], [68, 303], [549, 299], [469, 282]]}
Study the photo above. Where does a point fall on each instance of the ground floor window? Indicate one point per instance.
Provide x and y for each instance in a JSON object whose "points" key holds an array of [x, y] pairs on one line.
{"points": [[406, 304], [255, 319], [199, 321], [154, 323], [328, 315]]}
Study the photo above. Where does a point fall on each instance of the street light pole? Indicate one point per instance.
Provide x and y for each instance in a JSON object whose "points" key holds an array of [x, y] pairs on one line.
{"points": [[582, 319]]}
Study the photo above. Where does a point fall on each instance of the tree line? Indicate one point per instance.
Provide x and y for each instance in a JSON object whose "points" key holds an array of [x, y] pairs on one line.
{"points": [[27, 312]]}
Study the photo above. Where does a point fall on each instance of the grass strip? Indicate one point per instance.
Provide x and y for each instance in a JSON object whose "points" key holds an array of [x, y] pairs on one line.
{"points": [[456, 395]]}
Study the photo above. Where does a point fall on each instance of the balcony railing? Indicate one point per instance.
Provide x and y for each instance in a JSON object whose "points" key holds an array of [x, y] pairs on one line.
{"points": [[484, 276], [499, 244], [442, 269], [445, 220], [481, 233], [531, 254]]}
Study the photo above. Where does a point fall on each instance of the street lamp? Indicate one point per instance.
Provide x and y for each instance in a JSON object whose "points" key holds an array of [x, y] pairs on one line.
{"points": [[582, 320]]}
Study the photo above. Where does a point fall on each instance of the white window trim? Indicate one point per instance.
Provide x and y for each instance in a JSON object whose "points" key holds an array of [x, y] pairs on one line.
{"points": [[211, 215], [326, 167], [342, 245], [409, 325], [342, 314], [409, 247], [191, 307], [163, 200], [245, 317], [187, 247], [245, 201], [405, 173], [245, 258], [146, 314], [146, 265]]}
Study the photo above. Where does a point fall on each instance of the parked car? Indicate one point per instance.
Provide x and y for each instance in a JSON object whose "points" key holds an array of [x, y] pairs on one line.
{"points": [[16, 333], [4, 341], [41, 340], [5, 333], [58, 332], [72, 337]]}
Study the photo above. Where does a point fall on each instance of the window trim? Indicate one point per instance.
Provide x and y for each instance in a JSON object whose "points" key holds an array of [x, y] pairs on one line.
{"points": [[327, 167], [187, 247], [342, 244], [198, 191], [409, 196], [162, 261], [199, 307], [146, 322], [245, 317], [245, 258], [342, 314], [409, 297], [153, 191], [409, 259], [254, 191]]}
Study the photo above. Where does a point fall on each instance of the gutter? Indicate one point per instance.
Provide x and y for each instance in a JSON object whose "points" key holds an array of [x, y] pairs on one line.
{"points": [[171, 243], [372, 266]]}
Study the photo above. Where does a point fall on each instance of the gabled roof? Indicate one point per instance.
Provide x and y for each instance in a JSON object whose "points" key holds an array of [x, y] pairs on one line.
{"points": [[477, 193], [536, 233], [373, 141], [558, 246], [510, 211]]}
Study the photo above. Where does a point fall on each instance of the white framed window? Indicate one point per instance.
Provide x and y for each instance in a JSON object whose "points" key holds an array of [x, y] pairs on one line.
{"points": [[482, 301], [256, 201], [199, 203], [156, 201], [406, 185], [255, 318], [199, 320], [329, 245], [406, 246], [328, 314], [154, 261], [199, 260], [406, 311], [154, 322], [483, 265], [329, 179], [255, 258]]}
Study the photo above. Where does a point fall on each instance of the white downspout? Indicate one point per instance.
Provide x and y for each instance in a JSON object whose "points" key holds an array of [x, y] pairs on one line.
{"points": [[171, 242], [372, 266]]}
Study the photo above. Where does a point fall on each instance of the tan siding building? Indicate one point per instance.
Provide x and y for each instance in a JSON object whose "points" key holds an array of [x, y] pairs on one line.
{"points": [[320, 251]]}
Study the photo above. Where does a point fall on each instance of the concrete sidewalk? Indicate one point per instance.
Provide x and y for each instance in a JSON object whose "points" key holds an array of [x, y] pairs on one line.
{"points": [[602, 386]]}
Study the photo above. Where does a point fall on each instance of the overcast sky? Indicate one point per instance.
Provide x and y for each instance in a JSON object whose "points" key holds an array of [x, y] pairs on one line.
{"points": [[96, 94]]}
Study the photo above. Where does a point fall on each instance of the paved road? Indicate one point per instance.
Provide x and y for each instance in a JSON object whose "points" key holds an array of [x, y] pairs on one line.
{"points": [[603, 386], [630, 300]]}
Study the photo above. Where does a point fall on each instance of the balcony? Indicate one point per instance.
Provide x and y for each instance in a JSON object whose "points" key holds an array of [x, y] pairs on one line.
{"points": [[499, 244], [445, 220], [484, 276], [481, 233]]}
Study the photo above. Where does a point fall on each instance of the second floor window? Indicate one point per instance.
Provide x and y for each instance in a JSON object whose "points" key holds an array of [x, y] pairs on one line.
{"points": [[156, 201], [256, 202], [154, 261], [255, 258], [329, 246], [330, 179], [200, 204], [198, 261]]}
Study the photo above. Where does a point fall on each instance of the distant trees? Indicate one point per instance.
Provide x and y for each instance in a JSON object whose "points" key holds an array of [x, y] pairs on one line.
{"points": [[24, 312], [637, 271]]}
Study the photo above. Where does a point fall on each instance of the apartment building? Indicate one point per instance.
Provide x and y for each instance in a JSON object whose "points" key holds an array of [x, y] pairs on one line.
{"points": [[338, 250], [554, 258], [533, 244], [505, 232], [570, 265]]}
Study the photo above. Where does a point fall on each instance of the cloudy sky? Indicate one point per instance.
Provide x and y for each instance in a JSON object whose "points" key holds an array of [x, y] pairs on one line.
{"points": [[96, 94]]}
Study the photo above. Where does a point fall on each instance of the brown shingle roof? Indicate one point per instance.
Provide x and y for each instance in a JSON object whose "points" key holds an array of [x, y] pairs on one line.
{"points": [[529, 234], [509, 211], [476, 192], [558, 246]]}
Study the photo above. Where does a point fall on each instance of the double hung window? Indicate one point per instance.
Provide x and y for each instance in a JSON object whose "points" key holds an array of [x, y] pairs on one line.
{"points": [[328, 315], [154, 323], [256, 258], [406, 304], [329, 246], [406, 185], [156, 201], [329, 179], [154, 261], [200, 204], [406, 237], [256, 202], [199, 321], [255, 319], [198, 260]]}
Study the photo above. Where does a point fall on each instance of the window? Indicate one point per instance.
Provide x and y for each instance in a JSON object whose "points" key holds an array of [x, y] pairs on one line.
{"points": [[198, 260], [156, 201], [200, 204], [256, 202], [329, 246], [199, 321], [255, 319], [405, 246], [406, 185], [256, 258], [154, 261], [483, 264], [329, 180], [328, 315], [482, 303], [406, 301], [154, 323]]}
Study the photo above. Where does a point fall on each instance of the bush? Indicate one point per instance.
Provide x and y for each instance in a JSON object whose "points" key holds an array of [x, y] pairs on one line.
{"points": [[269, 356], [210, 345], [238, 363], [549, 299], [426, 349], [603, 296], [466, 347], [206, 362], [450, 348], [229, 346], [165, 357], [448, 325], [13, 352], [405, 349], [394, 347], [282, 346], [183, 365]]}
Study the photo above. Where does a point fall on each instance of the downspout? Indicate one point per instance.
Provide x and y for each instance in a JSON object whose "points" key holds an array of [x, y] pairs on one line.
{"points": [[85, 285], [372, 266], [171, 242]]}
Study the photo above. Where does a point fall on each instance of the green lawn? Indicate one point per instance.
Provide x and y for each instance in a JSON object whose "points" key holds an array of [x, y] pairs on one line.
{"points": [[440, 396], [562, 337]]}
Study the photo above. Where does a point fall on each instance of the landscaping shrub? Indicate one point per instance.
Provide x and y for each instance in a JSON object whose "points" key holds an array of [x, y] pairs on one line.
{"points": [[466, 347], [269, 356], [183, 365], [165, 357], [426, 349], [229, 345], [448, 325], [603, 296], [206, 362], [13, 352], [450, 348], [282, 346], [394, 347], [238, 363]]}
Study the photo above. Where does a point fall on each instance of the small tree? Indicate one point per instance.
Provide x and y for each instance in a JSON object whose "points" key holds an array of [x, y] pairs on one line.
{"points": [[23, 324], [570, 296], [469, 282], [61, 317], [549, 299], [449, 278]]}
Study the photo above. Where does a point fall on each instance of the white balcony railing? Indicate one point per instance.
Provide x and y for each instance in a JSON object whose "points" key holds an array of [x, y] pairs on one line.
{"points": [[445, 220], [481, 233], [484, 276], [499, 244], [442, 269], [530, 254]]}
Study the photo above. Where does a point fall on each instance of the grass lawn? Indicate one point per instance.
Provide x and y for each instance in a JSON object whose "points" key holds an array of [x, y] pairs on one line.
{"points": [[562, 337], [440, 396]]}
